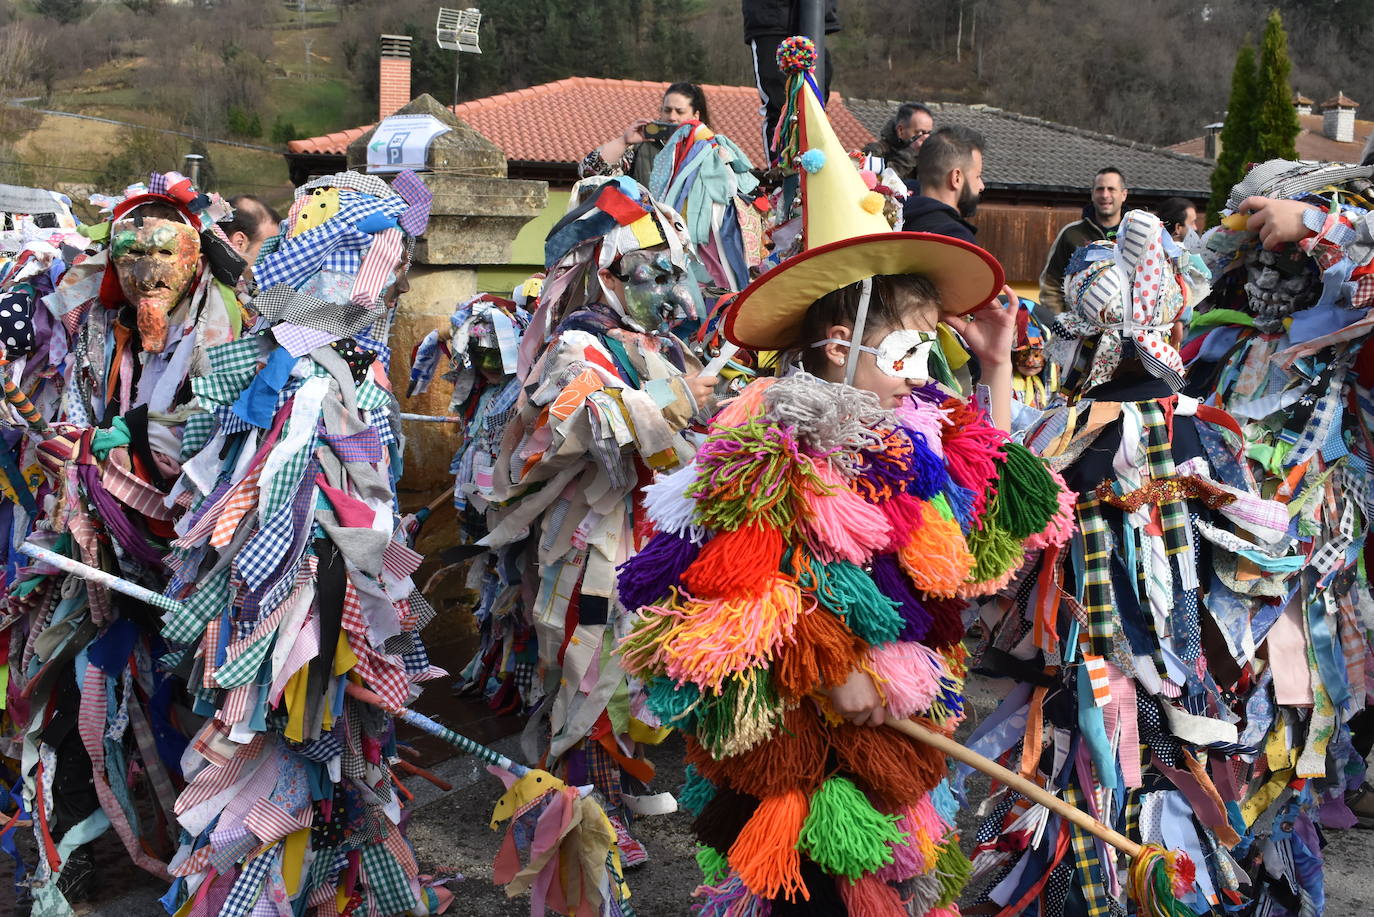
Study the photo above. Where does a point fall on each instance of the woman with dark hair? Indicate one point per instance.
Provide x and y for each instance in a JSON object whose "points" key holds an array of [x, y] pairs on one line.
{"points": [[633, 152]]}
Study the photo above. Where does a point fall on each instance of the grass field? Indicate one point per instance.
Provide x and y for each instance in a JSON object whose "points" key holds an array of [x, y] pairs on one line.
{"points": [[314, 97]]}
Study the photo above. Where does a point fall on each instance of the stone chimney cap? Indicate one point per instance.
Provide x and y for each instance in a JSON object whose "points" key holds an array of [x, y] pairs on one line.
{"points": [[1300, 99], [1340, 101]]}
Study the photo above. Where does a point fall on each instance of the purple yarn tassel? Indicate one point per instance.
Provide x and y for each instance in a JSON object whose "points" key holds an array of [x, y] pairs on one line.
{"points": [[893, 583], [647, 577]]}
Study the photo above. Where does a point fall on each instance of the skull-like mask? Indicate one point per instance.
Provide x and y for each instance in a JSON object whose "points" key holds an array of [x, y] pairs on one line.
{"points": [[156, 260], [1277, 285]]}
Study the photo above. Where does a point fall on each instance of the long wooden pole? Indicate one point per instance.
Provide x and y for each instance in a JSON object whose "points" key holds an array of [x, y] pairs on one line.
{"points": [[1019, 784]]}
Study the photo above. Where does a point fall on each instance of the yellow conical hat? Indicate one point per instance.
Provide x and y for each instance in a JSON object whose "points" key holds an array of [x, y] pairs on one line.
{"points": [[845, 238]]}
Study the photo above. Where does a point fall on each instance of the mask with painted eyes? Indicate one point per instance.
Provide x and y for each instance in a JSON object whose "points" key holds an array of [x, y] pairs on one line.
{"points": [[156, 260], [902, 354], [657, 293]]}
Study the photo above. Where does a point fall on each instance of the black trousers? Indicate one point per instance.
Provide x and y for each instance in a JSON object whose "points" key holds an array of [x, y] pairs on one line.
{"points": [[772, 84]]}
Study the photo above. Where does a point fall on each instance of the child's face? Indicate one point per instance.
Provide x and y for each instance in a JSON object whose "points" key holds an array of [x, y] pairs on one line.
{"points": [[891, 362]]}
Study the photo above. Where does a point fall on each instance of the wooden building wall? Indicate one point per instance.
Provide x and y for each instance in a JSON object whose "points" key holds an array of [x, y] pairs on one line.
{"points": [[1020, 236]]}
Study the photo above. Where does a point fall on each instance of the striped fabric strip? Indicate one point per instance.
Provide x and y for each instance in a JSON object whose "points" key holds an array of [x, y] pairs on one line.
{"points": [[1099, 678], [399, 560], [215, 779], [131, 490], [379, 266]]}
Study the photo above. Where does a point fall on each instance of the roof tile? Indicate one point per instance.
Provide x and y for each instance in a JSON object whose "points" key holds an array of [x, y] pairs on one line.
{"points": [[1026, 152], [562, 121]]}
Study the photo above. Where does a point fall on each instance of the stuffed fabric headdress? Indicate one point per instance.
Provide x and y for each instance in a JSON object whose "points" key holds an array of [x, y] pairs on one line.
{"points": [[608, 218], [345, 237], [1133, 289]]}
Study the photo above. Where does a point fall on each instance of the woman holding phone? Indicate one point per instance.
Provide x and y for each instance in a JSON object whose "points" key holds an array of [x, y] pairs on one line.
{"points": [[633, 152]]}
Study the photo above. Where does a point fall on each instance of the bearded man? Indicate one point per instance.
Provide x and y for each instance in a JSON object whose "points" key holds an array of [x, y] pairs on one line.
{"points": [[950, 167]]}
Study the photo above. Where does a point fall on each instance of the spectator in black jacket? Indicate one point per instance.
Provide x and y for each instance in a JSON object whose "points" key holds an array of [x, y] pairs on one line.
{"points": [[766, 24], [950, 168]]}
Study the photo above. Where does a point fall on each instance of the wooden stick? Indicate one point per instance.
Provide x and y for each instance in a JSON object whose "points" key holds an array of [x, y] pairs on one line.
{"points": [[1019, 784]]}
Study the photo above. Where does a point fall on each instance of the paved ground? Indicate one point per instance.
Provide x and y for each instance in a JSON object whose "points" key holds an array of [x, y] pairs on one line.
{"points": [[450, 834]]}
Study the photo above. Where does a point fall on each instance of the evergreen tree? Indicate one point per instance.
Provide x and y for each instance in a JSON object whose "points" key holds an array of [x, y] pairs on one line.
{"points": [[1277, 126], [1238, 135]]}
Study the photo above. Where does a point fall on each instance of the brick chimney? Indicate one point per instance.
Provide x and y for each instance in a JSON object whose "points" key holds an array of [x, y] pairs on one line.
{"points": [[394, 74], [1338, 118], [1302, 103]]}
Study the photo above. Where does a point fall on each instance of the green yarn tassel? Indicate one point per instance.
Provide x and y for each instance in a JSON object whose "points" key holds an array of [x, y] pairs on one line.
{"points": [[674, 704], [713, 865], [995, 551], [696, 792], [844, 834], [1027, 497], [941, 504], [851, 594], [746, 713], [953, 868]]}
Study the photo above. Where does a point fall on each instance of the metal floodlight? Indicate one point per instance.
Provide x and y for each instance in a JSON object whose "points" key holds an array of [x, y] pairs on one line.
{"points": [[456, 30]]}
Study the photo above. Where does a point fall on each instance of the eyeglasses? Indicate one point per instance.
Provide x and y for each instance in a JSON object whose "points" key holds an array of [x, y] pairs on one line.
{"points": [[918, 135]]}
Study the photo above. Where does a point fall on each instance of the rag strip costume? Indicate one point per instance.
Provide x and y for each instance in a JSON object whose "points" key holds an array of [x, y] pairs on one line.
{"points": [[1139, 652], [709, 180], [814, 535], [1281, 344], [92, 684], [482, 344], [294, 578], [603, 405], [241, 460]]}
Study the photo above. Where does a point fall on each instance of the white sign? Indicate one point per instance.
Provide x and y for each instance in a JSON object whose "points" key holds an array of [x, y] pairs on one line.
{"points": [[402, 142]]}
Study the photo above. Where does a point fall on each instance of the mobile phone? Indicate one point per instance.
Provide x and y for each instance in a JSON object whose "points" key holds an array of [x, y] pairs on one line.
{"points": [[659, 130]]}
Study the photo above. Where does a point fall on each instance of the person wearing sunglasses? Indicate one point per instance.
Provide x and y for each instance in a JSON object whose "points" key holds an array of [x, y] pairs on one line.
{"points": [[901, 139]]}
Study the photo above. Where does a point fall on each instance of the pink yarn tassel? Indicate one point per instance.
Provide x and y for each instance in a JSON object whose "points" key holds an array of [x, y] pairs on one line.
{"points": [[842, 525], [744, 406], [903, 513], [911, 676], [1061, 526], [908, 859], [871, 897]]}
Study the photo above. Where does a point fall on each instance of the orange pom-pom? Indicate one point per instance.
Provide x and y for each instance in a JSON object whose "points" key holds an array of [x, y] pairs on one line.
{"points": [[823, 653], [794, 758], [765, 853], [737, 564], [935, 556], [896, 769]]}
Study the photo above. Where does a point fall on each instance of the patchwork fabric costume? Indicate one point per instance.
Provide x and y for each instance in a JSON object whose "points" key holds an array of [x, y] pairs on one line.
{"points": [[294, 576], [603, 405], [709, 180], [1141, 694], [482, 345], [1281, 344]]}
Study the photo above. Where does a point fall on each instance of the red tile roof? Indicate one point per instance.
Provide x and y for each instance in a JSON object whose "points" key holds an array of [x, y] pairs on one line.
{"points": [[1311, 142], [564, 120]]}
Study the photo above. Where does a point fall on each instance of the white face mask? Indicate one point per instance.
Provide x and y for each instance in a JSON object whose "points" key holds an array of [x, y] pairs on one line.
{"points": [[902, 354]]}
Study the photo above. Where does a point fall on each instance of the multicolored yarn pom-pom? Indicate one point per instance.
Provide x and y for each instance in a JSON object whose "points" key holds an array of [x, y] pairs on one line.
{"points": [[797, 54]]}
